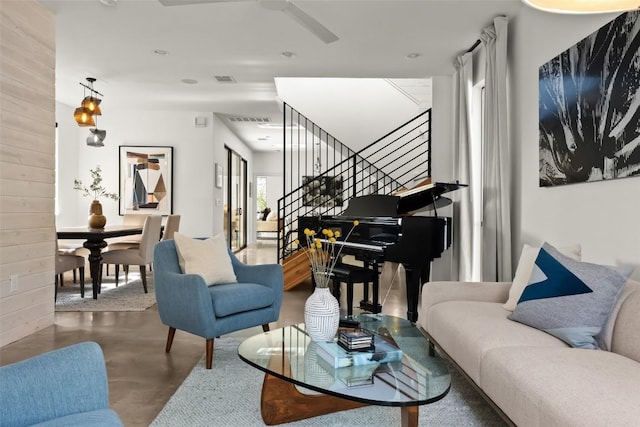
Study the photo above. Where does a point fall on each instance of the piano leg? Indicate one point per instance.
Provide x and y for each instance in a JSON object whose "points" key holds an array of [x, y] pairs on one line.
{"points": [[414, 277]]}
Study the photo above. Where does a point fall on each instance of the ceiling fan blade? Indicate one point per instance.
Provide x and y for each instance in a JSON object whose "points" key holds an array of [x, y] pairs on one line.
{"points": [[188, 2], [310, 23]]}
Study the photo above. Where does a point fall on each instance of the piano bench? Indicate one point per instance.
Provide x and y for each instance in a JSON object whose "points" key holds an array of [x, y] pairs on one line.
{"points": [[351, 274]]}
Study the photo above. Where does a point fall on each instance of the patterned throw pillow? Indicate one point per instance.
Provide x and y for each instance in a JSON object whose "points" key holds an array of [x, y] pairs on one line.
{"points": [[569, 299]]}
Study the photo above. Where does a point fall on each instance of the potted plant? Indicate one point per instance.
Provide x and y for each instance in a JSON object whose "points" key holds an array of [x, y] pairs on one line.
{"points": [[95, 190]]}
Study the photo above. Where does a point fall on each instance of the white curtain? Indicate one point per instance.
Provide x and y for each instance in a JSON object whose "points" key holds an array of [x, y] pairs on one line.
{"points": [[496, 176], [462, 214]]}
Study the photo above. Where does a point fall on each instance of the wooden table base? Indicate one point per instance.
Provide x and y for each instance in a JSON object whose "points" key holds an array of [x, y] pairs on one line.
{"points": [[281, 402]]}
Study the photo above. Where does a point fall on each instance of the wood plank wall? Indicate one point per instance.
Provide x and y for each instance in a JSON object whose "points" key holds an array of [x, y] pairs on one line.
{"points": [[27, 162]]}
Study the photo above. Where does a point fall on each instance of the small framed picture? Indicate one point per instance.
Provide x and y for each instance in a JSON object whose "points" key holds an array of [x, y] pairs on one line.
{"points": [[218, 175]]}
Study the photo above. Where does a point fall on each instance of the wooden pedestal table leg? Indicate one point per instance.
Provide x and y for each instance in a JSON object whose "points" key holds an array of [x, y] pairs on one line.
{"points": [[95, 263], [282, 403], [409, 416]]}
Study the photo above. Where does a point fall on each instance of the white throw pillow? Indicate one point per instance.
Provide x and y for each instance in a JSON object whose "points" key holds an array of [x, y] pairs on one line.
{"points": [[208, 258], [273, 215], [525, 268]]}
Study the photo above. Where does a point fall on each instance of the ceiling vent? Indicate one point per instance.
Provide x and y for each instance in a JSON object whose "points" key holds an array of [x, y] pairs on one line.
{"points": [[235, 119], [225, 79]]}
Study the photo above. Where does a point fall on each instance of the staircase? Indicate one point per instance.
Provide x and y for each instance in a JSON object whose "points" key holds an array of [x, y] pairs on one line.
{"points": [[321, 174]]}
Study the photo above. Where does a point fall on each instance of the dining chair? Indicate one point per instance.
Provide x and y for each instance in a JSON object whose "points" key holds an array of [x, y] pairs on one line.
{"points": [[171, 227], [68, 262], [127, 242], [140, 256]]}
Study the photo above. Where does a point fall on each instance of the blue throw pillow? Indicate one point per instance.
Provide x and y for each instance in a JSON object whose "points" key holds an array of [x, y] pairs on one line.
{"points": [[569, 299]]}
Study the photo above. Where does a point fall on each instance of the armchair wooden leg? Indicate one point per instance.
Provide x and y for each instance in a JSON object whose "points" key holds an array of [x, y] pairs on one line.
{"points": [[265, 327], [172, 333], [143, 274], [117, 273], [209, 353]]}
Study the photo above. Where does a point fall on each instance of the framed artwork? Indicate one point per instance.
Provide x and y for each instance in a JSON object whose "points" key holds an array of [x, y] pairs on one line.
{"points": [[589, 107], [146, 180], [219, 173], [325, 191]]}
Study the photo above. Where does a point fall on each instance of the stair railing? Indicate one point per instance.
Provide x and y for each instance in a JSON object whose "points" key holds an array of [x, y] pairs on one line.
{"points": [[391, 163]]}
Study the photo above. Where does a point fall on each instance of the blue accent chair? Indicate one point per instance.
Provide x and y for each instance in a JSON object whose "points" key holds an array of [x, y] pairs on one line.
{"points": [[185, 301], [64, 387]]}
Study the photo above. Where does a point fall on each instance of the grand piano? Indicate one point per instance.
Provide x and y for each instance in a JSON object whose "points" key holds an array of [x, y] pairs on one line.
{"points": [[388, 231]]}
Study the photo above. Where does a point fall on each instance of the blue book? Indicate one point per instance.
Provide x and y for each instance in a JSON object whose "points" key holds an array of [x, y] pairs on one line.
{"points": [[338, 357]]}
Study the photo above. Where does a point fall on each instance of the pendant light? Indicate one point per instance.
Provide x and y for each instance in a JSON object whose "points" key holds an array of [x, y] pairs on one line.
{"points": [[89, 107], [583, 6]]}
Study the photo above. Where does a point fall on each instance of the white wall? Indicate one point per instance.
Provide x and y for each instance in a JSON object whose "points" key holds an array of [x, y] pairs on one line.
{"points": [[195, 151], [602, 216], [355, 111]]}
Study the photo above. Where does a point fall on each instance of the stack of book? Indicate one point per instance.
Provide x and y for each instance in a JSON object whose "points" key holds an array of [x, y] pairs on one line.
{"points": [[356, 340], [338, 357]]}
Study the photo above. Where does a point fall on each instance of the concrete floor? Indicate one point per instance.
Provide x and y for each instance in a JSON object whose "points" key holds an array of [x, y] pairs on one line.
{"points": [[142, 377]]}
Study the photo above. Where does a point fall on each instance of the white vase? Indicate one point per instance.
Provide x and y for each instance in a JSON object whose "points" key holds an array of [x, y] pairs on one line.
{"points": [[321, 315]]}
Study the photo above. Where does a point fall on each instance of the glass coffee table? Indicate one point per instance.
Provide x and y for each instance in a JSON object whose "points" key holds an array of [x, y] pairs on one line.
{"points": [[300, 384]]}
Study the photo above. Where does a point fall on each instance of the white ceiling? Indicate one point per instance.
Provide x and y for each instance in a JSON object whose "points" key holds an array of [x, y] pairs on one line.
{"points": [[245, 40]]}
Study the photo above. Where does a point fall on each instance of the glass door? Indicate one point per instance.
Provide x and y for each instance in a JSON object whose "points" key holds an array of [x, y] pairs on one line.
{"points": [[236, 192]]}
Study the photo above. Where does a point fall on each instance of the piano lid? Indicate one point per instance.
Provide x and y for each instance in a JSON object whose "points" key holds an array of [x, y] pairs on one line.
{"points": [[422, 197]]}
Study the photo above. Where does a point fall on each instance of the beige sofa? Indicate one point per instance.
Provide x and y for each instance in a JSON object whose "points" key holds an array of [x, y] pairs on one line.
{"points": [[532, 377]]}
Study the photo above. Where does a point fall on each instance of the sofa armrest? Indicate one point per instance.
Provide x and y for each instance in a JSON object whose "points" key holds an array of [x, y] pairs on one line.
{"points": [[62, 382], [436, 292], [184, 302]]}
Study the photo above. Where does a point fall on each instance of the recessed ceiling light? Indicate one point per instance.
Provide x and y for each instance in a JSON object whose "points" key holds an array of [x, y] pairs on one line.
{"points": [[189, 81], [288, 54], [413, 55], [160, 52]]}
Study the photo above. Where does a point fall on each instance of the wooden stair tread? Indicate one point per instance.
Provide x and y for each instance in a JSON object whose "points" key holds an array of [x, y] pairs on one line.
{"points": [[296, 269]]}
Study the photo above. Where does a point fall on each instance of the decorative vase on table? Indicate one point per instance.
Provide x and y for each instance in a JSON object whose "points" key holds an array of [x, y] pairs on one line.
{"points": [[96, 219], [321, 315]]}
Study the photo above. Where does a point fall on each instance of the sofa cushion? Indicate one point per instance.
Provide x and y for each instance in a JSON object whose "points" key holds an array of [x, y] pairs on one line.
{"points": [[569, 299], [525, 267], [467, 329], [562, 386], [208, 258], [237, 298]]}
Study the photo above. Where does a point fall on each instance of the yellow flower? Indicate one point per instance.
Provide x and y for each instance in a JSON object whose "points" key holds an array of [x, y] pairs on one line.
{"points": [[356, 222], [297, 242], [323, 257]]}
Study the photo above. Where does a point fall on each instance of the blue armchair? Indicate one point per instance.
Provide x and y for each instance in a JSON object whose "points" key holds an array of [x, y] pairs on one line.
{"points": [[64, 387], [185, 301]]}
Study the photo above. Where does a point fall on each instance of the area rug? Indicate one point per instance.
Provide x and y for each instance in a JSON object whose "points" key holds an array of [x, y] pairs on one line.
{"points": [[229, 395], [127, 296]]}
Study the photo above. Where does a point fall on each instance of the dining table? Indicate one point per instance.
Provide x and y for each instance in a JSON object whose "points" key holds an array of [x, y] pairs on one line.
{"points": [[95, 242]]}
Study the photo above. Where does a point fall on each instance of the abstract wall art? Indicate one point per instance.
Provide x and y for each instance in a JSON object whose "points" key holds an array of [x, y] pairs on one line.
{"points": [[146, 180], [589, 107]]}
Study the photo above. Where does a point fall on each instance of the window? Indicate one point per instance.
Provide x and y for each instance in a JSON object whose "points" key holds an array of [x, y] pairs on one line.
{"points": [[261, 192]]}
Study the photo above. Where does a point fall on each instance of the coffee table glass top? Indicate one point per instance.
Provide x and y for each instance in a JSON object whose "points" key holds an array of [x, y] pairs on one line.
{"points": [[288, 353]]}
